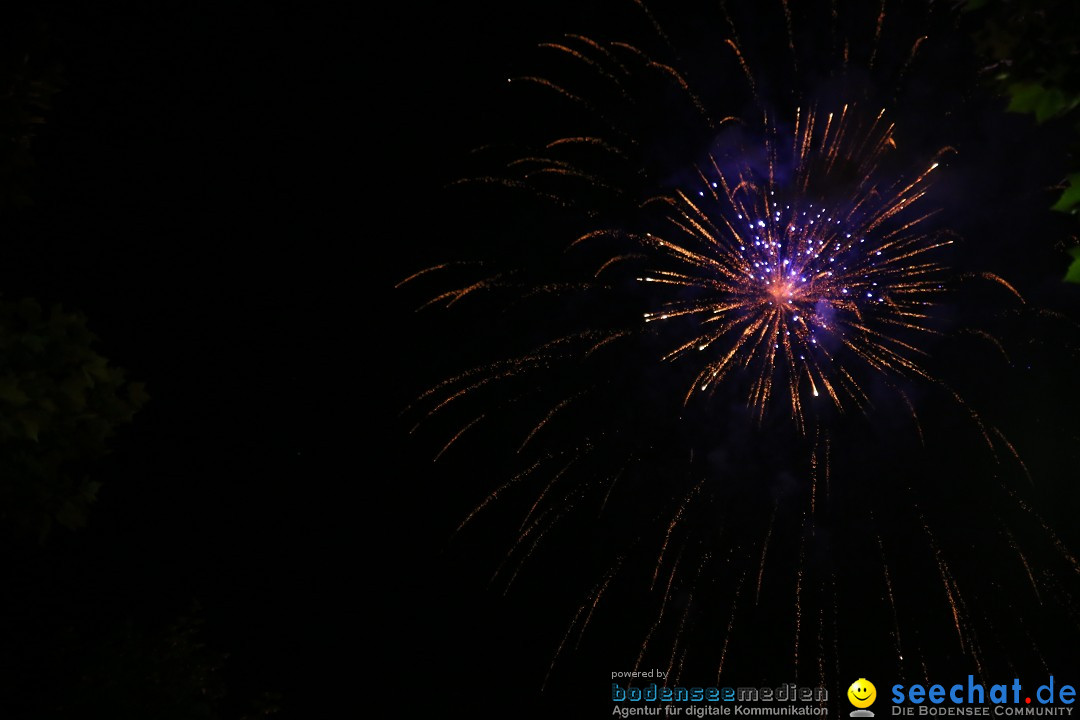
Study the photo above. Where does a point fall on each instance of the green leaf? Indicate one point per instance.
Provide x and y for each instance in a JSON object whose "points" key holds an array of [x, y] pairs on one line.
{"points": [[1044, 102], [1073, 273], [1025, 97], [1051, 103], [1070, 196]]}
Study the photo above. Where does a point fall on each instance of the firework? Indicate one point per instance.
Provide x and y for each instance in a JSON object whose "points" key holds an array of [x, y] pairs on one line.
{"points": [[790, 282], [679, 367]]}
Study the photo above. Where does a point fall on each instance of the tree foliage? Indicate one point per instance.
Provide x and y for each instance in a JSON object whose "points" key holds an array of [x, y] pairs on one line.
{"points": [[60, 402], [30, 77], [1033, 50], [161, 670]]}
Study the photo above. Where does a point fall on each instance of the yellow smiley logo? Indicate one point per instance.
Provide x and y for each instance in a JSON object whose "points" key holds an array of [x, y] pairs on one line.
{"points": [[862, 693]]}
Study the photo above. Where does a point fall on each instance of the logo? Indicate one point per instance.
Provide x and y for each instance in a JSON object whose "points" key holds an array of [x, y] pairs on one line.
{"points": [[862, 694]]}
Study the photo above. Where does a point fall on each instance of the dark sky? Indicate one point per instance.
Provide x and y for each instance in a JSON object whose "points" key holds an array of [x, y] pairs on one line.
{"points": [[456, 642], [194, 197]]}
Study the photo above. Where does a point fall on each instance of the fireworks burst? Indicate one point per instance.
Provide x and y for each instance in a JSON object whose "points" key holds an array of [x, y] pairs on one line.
{"points": [[787, 281], [729, 289]]}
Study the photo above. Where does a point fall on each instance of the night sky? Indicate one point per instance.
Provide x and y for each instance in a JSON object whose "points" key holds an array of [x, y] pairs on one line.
{"points": [[194, 195], [455, 642]]}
